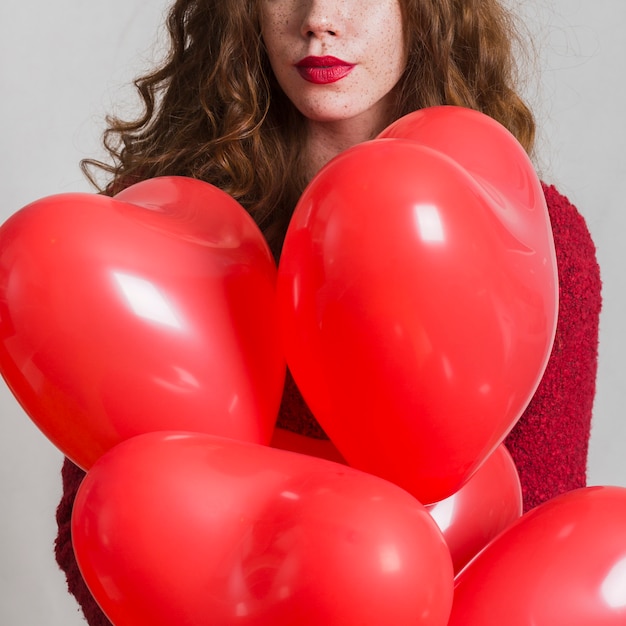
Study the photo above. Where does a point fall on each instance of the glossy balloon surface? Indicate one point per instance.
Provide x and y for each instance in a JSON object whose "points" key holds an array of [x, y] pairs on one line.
{"points": [[137, 313], [418, 300], [561, 564], [489, 502], [173, 528]]}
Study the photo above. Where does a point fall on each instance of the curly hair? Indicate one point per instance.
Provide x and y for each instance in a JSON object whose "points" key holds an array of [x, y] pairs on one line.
{"points": [[213, 110]]}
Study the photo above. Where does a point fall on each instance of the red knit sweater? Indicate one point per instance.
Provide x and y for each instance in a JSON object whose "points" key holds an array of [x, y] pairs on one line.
{"points": [[549, 443]]}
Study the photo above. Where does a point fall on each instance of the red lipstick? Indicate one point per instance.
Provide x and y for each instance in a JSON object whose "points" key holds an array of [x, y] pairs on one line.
{"points": [[323, 70]]}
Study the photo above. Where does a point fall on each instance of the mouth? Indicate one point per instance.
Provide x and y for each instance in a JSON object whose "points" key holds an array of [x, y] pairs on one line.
{"points": [[323, 70]]}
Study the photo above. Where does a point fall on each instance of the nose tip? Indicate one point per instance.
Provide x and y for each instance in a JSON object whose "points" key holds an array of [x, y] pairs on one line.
{"points": [[320, 20]]}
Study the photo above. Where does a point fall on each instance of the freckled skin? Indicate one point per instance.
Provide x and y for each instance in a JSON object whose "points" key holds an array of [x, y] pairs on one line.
{"points": [[366, 33]]}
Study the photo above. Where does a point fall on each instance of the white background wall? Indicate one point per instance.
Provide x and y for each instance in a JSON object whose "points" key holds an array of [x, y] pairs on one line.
{"points": [[63, 63]]}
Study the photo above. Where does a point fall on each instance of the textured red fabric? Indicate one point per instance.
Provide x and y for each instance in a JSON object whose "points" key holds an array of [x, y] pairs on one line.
{"points": [[549, 443]]}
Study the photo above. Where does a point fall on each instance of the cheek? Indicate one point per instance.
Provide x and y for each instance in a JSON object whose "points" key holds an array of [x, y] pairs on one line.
{"points": [[270, 24], [275, 34], [389, 54]]}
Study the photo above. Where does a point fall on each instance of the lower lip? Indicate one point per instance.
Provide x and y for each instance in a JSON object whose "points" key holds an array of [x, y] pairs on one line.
{"points": [[325, 75]]}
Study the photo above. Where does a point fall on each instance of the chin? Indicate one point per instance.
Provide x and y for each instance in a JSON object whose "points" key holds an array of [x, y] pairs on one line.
{"points": [[329, 115]]}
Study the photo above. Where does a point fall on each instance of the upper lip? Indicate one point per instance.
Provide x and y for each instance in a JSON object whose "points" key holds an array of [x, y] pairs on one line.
{"points": [[325, 61]]}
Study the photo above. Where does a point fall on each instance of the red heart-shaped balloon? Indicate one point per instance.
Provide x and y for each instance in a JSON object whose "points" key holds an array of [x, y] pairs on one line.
{"points": [[488, 503], [151, 310], [418, 302], [180, 528], [562, 564]]}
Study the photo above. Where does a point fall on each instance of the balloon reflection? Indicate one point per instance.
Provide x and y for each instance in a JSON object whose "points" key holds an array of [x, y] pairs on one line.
{"points": [[390, 559], [429, 224], [145, 300], [613, 588]]}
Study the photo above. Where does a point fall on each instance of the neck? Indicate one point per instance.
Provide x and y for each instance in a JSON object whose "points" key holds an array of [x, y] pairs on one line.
{"points": [[325, 140]]}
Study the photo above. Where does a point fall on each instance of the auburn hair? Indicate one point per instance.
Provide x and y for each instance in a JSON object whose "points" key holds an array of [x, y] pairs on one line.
{"points": [[213, 110]]}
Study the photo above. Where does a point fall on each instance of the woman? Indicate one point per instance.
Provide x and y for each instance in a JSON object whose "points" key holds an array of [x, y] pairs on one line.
{"points": [[255, 96]]}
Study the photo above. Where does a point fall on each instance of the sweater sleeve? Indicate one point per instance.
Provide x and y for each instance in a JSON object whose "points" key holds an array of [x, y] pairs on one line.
{"points": [[72, 476], [549, 443]]}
